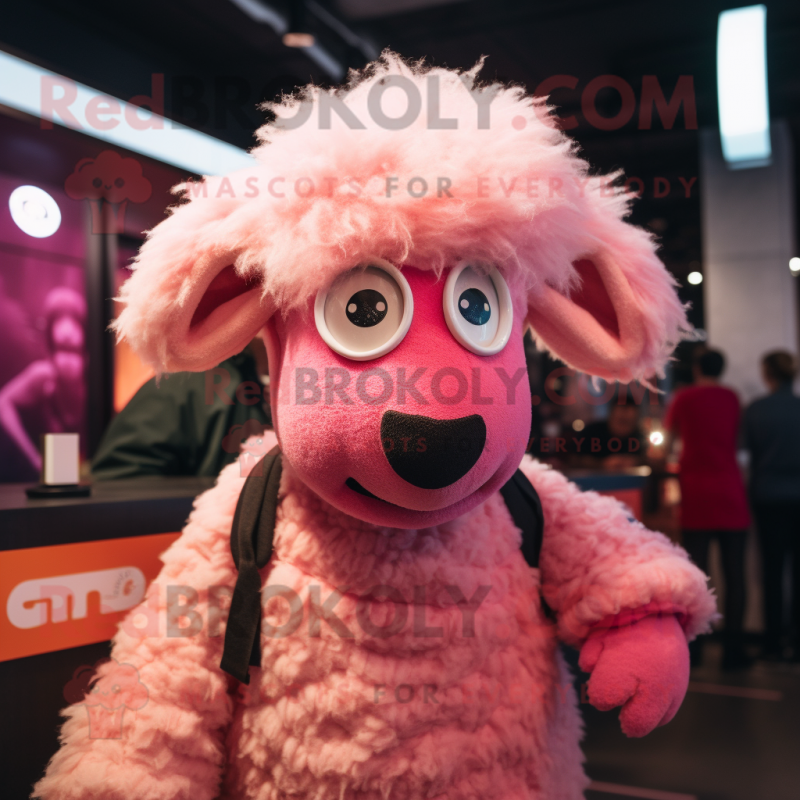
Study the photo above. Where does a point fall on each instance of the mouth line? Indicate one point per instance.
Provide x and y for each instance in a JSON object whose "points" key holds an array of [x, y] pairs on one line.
{"points": [[352, 483]]}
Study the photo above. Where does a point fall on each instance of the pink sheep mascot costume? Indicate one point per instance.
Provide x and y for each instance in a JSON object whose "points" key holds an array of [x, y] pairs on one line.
{"points": [[407, 650]]}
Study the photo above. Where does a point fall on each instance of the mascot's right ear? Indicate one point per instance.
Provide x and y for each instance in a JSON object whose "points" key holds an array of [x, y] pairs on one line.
{"points": [[187, 306], [623, 318]]}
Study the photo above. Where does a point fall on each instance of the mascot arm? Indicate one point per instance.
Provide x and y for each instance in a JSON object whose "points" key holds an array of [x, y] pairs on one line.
{"points": [[600, 567], [626, 596], [154, 722]]}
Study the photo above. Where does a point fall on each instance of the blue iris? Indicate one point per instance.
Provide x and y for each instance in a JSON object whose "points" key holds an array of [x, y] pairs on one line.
{"points": [[474, 306]]}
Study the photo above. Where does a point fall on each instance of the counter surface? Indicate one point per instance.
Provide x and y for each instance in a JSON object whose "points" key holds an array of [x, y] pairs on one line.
{"points": [[114, 510], [618, 480]]}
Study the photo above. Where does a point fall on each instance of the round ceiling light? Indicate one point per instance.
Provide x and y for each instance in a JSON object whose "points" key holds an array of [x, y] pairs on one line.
{"points": [[34, 211], [695, 278]]}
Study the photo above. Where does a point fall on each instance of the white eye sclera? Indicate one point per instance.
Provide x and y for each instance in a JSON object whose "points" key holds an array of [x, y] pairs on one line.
{"points": [[366, 312], [478, 309]]}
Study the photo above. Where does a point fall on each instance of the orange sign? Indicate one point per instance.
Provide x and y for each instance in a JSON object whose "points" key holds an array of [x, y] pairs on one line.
{"points": [[68, 595], [631, 497]]}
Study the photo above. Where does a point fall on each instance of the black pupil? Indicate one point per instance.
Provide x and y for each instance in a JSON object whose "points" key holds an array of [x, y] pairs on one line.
{"points": [[474, 306], [366, 308]]}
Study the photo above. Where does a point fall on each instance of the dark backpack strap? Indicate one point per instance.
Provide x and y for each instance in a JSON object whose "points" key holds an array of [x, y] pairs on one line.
{"points": [[525, 507], [526, 510], [251, 544]]}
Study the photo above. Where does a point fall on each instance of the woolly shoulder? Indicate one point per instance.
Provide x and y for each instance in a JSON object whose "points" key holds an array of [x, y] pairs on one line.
{"points": [[206, 537], [598, 562]]}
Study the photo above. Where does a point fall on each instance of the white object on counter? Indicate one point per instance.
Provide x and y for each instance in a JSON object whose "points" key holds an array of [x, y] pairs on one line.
{"points": [[60, 460]]}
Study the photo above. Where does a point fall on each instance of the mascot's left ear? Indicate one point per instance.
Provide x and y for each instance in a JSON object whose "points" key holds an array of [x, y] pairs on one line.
{"points": [[192, 300], [621, 318]]}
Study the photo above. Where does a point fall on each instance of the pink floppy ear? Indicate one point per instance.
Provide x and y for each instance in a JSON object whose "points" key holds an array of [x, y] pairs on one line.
{"points": [[217, 317], [187, 305], [600, 328]]}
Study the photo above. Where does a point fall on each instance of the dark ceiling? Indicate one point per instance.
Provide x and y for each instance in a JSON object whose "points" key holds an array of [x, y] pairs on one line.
{"points": [[218, 52], [116, 47]]}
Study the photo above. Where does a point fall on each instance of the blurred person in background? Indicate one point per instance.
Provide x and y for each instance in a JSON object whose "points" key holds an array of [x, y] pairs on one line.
{"points": [[189, 423], [616, 442], [49, 395], [772, 435], [705, 417]]}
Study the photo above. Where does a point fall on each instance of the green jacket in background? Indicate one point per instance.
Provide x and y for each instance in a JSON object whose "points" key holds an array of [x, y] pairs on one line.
{"points": [[190, 423]]}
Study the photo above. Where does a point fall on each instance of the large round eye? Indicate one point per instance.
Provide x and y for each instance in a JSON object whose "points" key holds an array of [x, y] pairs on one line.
{"points": [[366, 312], [478, 309]]}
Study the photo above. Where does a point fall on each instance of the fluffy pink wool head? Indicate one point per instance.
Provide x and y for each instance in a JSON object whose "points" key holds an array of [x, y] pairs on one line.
{"points": [[425, 169]]}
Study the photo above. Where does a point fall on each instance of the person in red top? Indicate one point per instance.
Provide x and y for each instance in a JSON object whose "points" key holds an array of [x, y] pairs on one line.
{"points": [[705, 416]]}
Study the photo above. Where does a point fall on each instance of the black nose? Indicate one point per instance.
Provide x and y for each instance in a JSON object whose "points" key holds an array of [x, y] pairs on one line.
{"points": [[432, 453]]}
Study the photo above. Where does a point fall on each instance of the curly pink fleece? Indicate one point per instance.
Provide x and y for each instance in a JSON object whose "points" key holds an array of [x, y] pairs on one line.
{"points": [[502, 720]]}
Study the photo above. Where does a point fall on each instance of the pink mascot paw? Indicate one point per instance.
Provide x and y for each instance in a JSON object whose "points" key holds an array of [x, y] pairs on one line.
{"points": [[643, 667]]}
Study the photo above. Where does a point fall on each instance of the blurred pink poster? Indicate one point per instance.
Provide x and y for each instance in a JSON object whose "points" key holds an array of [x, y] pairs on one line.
{"points": [[43, 355]]}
